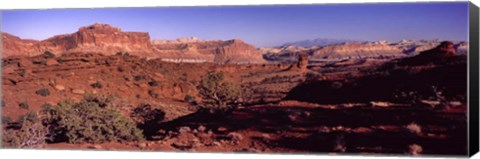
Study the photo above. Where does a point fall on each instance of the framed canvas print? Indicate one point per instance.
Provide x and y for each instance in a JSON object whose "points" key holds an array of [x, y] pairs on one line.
{"points": [[349, 79]]}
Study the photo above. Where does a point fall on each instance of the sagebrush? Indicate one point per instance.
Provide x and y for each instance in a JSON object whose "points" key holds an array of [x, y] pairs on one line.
{"points": [[218, 94], [89, 121], [26, 132]]}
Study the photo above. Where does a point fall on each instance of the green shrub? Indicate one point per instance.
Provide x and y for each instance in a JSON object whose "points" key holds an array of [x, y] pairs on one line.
{"points": [[28, 132], [184, 77], [190, 99], [43, 92], [47, 105], [101, 100], [96, 85], [138, 77], [120, 69], [153, 93], [6, 120], [88, 121], [313, 75], [23, 105], [30, 135], [43, 62], [48, 54], [30, 116], [120, 53], [22, 72], [216, 93], [153, 83]]}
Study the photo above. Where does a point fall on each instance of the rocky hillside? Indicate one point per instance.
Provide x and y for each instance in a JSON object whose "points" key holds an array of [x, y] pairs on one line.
{"points": [[108, 40], [12, 45]]}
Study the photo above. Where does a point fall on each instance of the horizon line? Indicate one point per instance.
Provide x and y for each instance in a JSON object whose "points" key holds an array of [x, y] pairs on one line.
{"points": [[348, 40]]}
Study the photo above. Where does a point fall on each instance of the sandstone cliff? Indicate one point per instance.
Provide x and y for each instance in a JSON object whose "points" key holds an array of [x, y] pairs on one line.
{"points": [[96, 38], [108, 40], [356, 50], [217, 51]]}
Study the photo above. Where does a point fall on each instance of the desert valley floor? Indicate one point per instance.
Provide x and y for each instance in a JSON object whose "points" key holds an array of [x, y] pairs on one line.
{"points": [[286, 110]]}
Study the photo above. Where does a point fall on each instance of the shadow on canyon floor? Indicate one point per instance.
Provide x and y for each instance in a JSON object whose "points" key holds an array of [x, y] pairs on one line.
{"points": [[300, 128]]}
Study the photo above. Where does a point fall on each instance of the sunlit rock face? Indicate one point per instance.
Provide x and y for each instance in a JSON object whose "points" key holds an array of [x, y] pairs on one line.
{"points": [[217, 51], [96, 38], [108, 40]]}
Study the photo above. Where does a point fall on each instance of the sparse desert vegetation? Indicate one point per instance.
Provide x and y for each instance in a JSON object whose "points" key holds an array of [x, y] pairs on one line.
{"points": [[216, 93], [89, 121], [26, 132]]}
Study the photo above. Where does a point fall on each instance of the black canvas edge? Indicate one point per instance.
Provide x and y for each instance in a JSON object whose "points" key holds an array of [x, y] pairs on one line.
{"points": [[473, 95]]}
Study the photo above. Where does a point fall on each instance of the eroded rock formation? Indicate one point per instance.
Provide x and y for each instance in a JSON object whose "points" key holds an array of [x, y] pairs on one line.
{"points": [[108, 40], [301, 64], [217, 51], [96, 38]]}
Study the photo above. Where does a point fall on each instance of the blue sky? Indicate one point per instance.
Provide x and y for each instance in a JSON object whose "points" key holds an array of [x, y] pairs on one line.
{"points": [[262, 26]]}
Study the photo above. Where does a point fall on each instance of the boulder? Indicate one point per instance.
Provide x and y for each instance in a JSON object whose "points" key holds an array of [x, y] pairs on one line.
{"points": [[201, 128], [59, 87], [142, 145], [78, 91], [222, 129], [184, 129]]}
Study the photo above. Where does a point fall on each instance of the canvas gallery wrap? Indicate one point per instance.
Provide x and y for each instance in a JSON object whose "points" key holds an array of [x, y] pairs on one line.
{"points": [[361, 79]]}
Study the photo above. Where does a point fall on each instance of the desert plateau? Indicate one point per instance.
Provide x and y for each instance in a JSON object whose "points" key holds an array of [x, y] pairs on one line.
{"points": [[103, 88]]}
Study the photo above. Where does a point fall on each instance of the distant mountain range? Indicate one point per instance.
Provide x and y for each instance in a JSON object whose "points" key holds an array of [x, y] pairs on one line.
{"points": [[317, 42]]}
